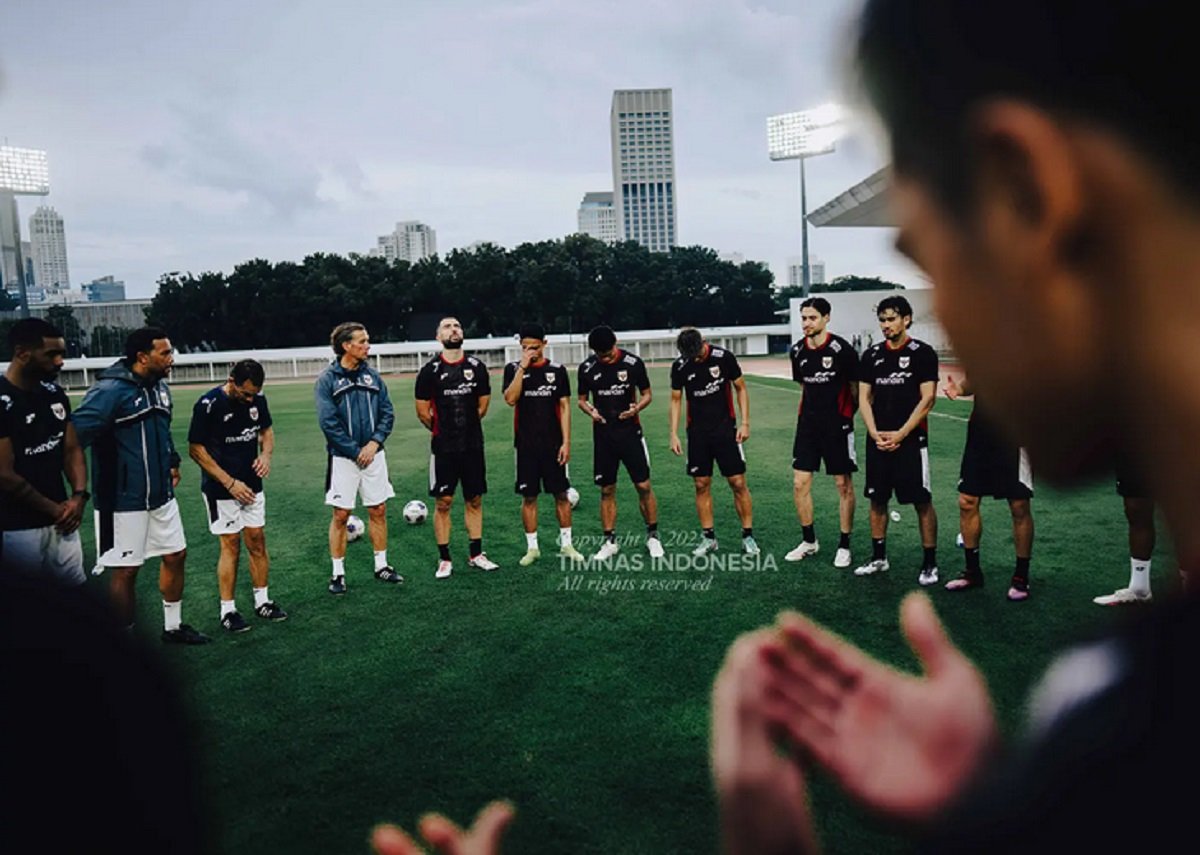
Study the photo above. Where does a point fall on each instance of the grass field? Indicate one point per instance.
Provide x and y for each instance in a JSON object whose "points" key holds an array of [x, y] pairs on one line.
{"points": [[589, 710]]}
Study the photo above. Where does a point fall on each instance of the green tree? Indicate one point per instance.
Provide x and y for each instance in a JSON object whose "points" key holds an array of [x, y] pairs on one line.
{"points": [[63, 317], [856, 283]]}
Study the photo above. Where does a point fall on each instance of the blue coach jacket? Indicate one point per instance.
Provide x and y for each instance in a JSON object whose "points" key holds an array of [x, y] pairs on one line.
{"points": [[353, 408], [128, 425]]}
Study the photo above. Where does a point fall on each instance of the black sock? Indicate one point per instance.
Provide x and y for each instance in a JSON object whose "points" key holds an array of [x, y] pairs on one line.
{"points": [[844, 540], [930, 557], [748, 532], [444, 551], [972, 560], [711, 534], [1022, 571], [809, 533], [610, 534], [476, 547], [879, 549], [652, 529]]}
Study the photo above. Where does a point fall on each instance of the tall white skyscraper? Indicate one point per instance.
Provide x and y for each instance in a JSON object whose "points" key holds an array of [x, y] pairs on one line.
{"points": [[643, 164], [411, 241], [816, 271], [49, 245], [598, 217]]}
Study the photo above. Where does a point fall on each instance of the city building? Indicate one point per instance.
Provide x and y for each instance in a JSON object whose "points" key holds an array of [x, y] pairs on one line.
{"points": [[795, 271], [643, 165], [48, 243], [411, 241], [106, 289], [598, 217]]}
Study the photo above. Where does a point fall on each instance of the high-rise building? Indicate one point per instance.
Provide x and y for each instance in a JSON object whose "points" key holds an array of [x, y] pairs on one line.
{"points": [[598, 217], [106, 289], [411, 241], [10, 242], [49, 244], [816, 271], [643, 164]]}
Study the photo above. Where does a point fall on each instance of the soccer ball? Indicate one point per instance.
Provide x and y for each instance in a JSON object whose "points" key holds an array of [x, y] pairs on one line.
{"points": [[354, 528], [415, 512], [896, 516], [573, 496]]}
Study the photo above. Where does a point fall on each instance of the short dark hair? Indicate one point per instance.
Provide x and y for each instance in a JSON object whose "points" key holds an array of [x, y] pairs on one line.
{"points": [[602, 339], [819, 303], [531, 330], [29, 333], [899, 305], [342, 333], [927, 64], [689, 342], [142, 341], [247, 369]]}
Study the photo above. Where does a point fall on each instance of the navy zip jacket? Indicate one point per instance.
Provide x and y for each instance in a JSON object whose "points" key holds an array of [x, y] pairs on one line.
{"points": [[127, 422], [353, 408]]}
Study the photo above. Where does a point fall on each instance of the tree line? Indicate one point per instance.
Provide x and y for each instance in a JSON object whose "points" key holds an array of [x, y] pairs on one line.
{"points": [[568, 285]]}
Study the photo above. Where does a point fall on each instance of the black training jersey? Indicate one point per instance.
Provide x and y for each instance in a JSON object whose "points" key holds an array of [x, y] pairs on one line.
{"points": [[896, 377], [614, 387], [826, 373], [36, 424], [229, 430], [535, 417], [707, 383], [454, 388]]}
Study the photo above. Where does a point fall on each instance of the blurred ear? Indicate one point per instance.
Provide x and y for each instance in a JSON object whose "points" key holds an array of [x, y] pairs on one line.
{"points": [[1030, 202]]}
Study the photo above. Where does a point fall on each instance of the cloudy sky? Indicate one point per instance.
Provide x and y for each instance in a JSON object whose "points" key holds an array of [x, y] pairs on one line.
{"points": [[194, 135]]}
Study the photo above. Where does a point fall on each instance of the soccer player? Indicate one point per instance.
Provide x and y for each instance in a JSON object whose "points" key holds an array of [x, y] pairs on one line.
{"points": [[1139, 514], [826, 366], [613, 388], [356, 416], [896, 391], [38, 446], [991, 467], [709, 376], [539, 391], [232, 440], [452, 395], [126, 418]]}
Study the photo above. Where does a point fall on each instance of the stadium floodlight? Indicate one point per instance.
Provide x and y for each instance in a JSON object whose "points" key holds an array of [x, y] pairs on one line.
{"points": [[798, 136], [23, 172]]}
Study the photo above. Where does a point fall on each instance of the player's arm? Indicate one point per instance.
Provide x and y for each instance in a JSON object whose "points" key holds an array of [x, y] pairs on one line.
{"points": [[95, 413], [673, 420], [484, 402], [75, 468], [266, 449], [514, 382], [920, 411], [637, 406], [587, 407], [19, 489], [425, 412], [237, 489], [564, 422], [743, 402], [866, 394], [957, 388]]}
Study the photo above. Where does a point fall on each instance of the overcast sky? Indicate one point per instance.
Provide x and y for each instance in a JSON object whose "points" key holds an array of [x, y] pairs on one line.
{"points": [[191, 135]]}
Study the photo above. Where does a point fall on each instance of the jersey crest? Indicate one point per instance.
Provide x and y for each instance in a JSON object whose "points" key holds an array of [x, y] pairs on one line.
{"points": [[254, 413], [904, 360], [826, 361], [60, 412], [714, 370], [622, 375], [469, 373]]}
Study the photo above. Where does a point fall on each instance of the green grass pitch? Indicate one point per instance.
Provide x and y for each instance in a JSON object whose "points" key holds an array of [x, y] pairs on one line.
{"points": [[588, 709]]}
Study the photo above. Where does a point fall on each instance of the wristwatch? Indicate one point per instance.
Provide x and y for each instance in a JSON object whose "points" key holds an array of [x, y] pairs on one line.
{"points": [[86, 495]]}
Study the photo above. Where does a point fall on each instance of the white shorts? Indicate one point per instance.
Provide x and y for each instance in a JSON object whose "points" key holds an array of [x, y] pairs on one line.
{"points": [[43, 553], [229, 516], [344, 481], [127, 538]]}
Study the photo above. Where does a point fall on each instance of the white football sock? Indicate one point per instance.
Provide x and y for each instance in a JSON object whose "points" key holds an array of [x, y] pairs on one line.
{"points": [[381, 559], [1139, 575], [261, 596], [531, 540], [228, 606], [172, 615], [339, 566]]}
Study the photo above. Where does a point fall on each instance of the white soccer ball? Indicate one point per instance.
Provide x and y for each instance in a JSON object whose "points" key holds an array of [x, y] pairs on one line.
{"points": [[896, 516], [573, 496], [354, 528], [415, 512]]}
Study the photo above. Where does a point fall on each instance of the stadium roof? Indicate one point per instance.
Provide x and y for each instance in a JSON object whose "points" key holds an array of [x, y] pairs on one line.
{"points": [[864, 204]]}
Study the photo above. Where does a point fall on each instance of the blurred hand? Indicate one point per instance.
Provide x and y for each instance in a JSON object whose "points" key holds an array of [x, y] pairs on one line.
{"points": [[445, 837], [952, 389], [900, 744], [743, 432], [629, 413], [676, 447], [262, 465], [176, 475], [70, 515], [366, 454], [241, 493], [564, 454]]}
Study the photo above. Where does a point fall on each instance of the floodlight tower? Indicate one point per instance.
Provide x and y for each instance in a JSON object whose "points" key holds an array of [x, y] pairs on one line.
{"points": [[798, 136], [23, 172]]}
